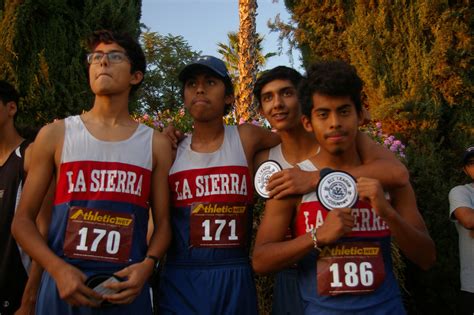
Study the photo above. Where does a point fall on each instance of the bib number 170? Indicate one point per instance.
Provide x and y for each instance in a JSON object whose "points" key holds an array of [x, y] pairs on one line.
{"points": [[112, 240]]}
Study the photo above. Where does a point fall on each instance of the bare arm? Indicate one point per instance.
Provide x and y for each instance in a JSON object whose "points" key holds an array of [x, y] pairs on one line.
{"points": [[465, 216], [69, 280], [403, 218], [272, 252], [379, 163], [28, 300], [255, 139], [137, 274]]}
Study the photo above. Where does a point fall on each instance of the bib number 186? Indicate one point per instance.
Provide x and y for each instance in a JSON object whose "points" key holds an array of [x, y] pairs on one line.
{"points": [[353, 274]]}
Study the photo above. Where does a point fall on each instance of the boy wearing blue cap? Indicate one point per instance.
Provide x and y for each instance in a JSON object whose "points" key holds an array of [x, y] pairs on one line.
{"points": [[207, 268]]}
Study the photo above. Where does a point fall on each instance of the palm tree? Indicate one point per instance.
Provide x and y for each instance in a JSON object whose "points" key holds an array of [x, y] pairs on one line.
{"points": [[247, 62], [230, 54]]}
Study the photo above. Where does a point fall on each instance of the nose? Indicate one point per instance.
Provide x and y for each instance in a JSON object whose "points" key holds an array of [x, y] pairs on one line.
{"points": [[104, 61], [277, 101], [200, 89], [335, 122]]}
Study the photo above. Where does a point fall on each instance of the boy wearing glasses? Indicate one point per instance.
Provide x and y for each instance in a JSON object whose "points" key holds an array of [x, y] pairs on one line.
{"points": [[461, 212], [107, 168]]}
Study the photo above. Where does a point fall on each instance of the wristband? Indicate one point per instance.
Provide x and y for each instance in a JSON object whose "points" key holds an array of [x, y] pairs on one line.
{"points": [[156, 260], [315, 239]]}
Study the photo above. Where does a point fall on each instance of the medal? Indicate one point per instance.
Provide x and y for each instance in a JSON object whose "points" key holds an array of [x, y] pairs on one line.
{"points": [[336, 189], [263, 174]]}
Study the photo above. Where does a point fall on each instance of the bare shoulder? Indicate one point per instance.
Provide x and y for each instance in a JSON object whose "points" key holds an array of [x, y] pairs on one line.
{"points": [[49, 136], [162, 150]]}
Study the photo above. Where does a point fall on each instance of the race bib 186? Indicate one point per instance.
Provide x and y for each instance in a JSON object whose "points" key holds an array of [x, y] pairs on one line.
{"points": [[352, 267], [101, 235], [218, 225]]}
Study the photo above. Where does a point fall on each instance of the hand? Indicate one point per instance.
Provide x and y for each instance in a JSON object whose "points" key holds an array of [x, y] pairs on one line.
{"points": [[174, 135], [291, 181], [136, 275], [26, 308], [70, 283], [338, 222], [371, 190]]}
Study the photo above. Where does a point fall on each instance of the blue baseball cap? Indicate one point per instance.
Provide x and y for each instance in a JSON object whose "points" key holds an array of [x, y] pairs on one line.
{"points": [[467, 154], [210, 62]]}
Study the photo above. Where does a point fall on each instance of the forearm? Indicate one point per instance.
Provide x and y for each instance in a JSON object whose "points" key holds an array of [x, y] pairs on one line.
{"points": [[30, 239], [160, 240], [274, 256], [390, 173], [378, 162], [31, 287], [415, 244]]}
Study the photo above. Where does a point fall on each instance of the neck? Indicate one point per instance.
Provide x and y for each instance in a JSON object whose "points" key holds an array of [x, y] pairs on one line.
{"points": [[297, 145], [344, 161], [111, 109], [9, 140], [207, 131]]}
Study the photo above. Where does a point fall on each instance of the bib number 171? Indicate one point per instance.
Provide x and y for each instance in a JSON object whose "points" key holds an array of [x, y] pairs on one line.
{"points": [[224, 228]]}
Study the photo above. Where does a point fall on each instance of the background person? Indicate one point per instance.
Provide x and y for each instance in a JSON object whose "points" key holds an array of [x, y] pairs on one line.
{"points": [[461, 212]]}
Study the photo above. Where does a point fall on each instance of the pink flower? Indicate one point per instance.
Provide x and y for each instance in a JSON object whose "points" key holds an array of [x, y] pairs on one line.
{"points": [[378, 125], [145, 117], [241, 121]]}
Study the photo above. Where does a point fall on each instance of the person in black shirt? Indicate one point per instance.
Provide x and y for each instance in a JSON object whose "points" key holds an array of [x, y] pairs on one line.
{"points": [[14, 263]]}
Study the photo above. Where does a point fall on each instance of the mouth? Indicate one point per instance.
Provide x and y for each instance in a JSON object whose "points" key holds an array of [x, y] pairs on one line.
{"points": [[279, 116], [103, 74], [336, 137], [199, 101]]}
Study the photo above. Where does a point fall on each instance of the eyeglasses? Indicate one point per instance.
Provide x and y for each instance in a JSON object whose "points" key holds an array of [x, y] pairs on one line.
{"points": [[112, 57]]}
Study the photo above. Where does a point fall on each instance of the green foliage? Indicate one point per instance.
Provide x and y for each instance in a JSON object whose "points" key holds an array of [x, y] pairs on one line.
{"points": [[415, 58], [230, 54], [42, 51], [166, 56]]}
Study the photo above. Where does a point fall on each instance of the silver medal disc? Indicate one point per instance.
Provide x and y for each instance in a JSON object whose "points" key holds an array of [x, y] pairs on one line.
{"points": [[336, 189], [263, 174]]}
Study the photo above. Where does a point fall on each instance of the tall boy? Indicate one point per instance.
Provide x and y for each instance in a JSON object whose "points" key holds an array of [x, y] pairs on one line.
{"points": [[276, 92], [331, 282], [207, 268], [109, 170]]}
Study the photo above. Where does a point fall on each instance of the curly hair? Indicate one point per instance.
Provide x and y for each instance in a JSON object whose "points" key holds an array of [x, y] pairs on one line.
{"points": [[277, 73], [132, 48], [331, 78]]}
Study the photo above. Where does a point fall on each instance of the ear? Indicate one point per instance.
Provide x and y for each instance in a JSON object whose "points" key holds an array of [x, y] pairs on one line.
{"points": [[306, 123], [12, 108], [229, 99], [136, 78]]}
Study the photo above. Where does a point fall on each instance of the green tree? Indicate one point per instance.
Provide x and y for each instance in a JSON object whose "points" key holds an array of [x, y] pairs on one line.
{"points": [[166, 56], [42, 51]]}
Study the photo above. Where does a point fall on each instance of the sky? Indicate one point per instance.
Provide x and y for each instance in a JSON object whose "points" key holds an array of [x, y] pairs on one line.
{"points": [[204, 23]]}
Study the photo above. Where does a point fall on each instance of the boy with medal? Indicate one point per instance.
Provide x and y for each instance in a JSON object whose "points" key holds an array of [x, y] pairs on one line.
{"points": [[343, 255], [109, 170], [276, 93]]}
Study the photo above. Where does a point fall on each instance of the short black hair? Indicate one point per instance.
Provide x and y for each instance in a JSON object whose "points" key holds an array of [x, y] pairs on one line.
{"points": [[229, 87], [277, 73], [132, 48], [331, 78], [8, 93]]}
